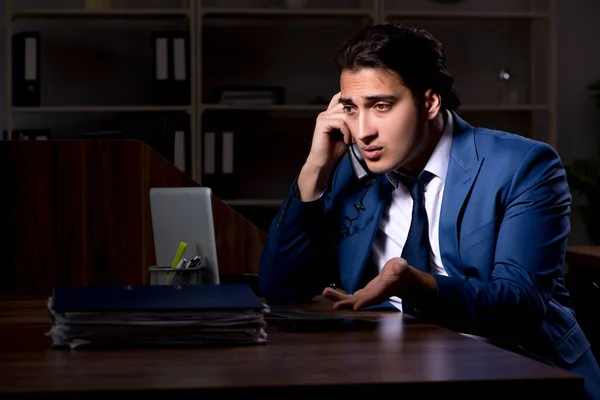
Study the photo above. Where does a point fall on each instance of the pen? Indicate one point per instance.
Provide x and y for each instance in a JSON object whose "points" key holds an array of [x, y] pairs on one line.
{"points": [[179, 254], [178, 259], [194, 262], [173, 275]]}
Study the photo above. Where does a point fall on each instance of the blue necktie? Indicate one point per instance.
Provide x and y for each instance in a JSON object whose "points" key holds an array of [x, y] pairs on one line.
{"points": [[416, 248]]}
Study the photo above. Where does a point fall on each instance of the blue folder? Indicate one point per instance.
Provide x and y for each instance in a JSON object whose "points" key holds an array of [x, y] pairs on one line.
{"points": [[155, 298]]}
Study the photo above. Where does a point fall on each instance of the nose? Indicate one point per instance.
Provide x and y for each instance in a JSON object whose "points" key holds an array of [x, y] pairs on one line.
{"points": [[365, 129]]}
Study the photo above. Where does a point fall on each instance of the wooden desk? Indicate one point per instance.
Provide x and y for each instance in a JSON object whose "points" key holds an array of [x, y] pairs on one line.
{"points": [[580, 257], [402, 354]]}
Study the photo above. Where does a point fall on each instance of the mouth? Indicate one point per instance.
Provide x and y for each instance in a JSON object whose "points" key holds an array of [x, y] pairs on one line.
{"points": [[372, 153]]}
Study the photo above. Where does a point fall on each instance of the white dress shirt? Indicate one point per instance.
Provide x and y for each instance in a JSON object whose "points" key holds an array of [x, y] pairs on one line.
{"points": [[395, 220]]}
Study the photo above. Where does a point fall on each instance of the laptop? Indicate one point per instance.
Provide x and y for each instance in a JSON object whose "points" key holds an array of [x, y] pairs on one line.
{"points": [[184, 214]]}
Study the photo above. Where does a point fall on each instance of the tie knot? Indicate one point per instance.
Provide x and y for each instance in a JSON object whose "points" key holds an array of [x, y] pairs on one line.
{"points": [[417, 187]]}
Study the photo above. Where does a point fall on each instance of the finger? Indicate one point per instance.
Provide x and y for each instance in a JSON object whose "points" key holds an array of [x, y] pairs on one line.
{"points": [[335, 111], [346, 132], [336, 298], [337, 122], [334, 100], [336, 125], [347, 303], [364, 301], [334, 295], [360, 304], [332, 120]]}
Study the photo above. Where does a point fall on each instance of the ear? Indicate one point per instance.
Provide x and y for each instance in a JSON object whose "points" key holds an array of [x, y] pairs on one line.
{"points": [[433, 104]]}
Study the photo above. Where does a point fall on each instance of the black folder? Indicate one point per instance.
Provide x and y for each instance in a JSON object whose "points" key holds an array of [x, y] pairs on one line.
{"points": [[223, 297], [26, 69], [172, 68]]}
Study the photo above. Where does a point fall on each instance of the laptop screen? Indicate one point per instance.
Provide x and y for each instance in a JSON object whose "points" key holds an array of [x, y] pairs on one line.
{"points": [[184, 214]]}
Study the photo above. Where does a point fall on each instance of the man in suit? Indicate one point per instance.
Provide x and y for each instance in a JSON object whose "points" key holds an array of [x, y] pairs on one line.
{"points": [[490, 209]]}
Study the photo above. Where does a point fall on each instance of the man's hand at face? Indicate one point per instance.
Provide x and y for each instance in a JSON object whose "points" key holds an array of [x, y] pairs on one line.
{"points": [[396, 279]]}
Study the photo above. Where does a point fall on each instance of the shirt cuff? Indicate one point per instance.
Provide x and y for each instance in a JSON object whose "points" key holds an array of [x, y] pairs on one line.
{"points": [[297, 194]]}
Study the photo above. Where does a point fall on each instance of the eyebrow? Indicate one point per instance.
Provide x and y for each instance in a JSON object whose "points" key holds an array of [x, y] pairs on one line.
{"points": [[371, 98]]}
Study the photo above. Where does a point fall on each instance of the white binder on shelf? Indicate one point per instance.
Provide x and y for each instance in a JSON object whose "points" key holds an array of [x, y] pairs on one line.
{"points": [[171, 68]]}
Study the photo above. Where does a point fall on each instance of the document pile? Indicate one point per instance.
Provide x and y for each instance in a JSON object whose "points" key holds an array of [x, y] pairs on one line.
{"points": [[117, 316]]}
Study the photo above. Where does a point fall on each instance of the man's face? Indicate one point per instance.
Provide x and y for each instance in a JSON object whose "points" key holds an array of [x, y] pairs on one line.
{"points": [[382, 117]]}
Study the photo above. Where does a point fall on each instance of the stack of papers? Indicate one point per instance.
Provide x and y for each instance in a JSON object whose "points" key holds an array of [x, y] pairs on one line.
{"points": [[156, 315]]}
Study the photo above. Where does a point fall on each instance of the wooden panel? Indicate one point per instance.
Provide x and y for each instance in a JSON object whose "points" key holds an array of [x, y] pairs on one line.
{"points": [[69, 241], [25, 204], [238, 241], [112, 211], [78, 213], [75, 214]]}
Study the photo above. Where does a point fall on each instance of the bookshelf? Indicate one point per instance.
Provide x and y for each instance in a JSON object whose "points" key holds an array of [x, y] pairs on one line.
{"points": [[290, 44], [180, 16], [522, 32]]}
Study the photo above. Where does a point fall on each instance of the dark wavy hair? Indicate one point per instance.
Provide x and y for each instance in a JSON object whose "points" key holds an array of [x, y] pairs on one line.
{"points": [[413, 53]]}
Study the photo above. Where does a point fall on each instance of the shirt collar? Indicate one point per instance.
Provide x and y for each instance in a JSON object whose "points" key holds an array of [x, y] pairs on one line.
{"points": [[438, 161]]}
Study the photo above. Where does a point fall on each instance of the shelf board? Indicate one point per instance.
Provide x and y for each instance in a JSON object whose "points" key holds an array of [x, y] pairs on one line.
{"points": [[254, 202], [123, 108], [274, 107], [465, 15], [108, 13], [277, 12], [503, 108], [322, 107]]}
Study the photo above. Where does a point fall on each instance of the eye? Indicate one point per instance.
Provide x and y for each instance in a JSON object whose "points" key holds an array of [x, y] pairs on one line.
{"points": [[348, 109], [382, 106]]}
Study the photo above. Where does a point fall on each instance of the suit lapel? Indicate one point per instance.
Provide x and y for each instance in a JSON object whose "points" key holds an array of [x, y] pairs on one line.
{"points": [[463, 168]]}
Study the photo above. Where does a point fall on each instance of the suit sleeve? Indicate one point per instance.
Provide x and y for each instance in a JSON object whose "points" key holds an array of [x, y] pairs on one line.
{"points": [[297, 259], [528, 260]]}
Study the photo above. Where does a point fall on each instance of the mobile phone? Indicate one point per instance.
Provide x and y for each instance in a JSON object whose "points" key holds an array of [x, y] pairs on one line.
{"points": [[359, 166]]}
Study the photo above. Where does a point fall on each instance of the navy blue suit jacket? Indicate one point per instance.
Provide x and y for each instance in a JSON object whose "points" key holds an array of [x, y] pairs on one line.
{"points": [[503, 235]]}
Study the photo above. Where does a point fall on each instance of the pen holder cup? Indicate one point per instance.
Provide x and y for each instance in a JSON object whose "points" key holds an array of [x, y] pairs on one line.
{"points": [[175, 276]]}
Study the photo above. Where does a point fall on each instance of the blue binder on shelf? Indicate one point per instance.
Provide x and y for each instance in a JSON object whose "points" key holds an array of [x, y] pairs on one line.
{"points": [[224, 297]]}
